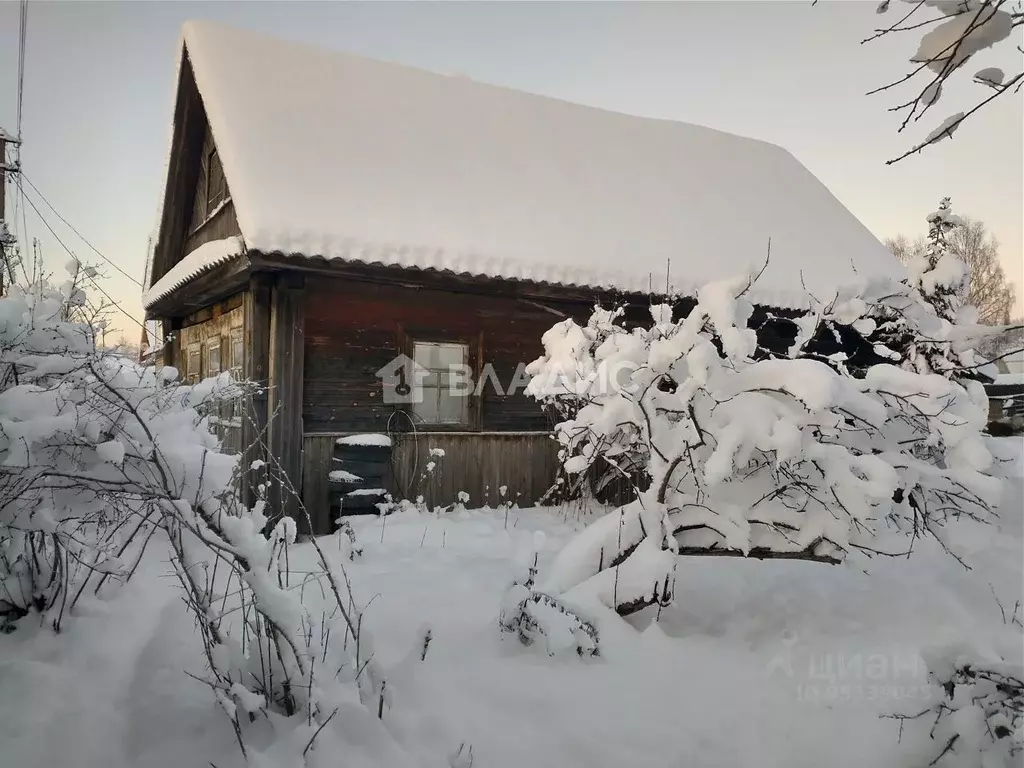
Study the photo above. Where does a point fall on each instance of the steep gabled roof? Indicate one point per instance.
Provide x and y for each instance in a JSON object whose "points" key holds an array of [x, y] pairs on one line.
{"points": [[343, 157]]}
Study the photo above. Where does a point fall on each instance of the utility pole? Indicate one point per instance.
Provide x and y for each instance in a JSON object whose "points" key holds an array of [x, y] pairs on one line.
{"points": [[3, 175], [6, 240], [3, 206]]}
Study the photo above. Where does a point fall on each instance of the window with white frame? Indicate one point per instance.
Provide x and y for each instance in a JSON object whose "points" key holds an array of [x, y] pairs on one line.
{"points": [[443, 379], [193, 366], [213, 357]]}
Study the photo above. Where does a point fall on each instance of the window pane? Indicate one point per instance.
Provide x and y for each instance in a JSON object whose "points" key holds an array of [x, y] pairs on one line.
{"points": [[458, 378], [426, 410], [450, 354], [452, 408], [213, 358], [425, 354], [237, 351]]}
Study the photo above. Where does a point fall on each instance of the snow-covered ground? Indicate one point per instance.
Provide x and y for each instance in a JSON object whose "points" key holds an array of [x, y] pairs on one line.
{"points": [[760, 664]]}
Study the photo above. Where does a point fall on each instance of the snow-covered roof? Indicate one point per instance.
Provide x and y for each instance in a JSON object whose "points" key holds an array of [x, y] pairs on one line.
{"points": [[1009, 379], [1014, 361], [203, 258], [334, 155]]}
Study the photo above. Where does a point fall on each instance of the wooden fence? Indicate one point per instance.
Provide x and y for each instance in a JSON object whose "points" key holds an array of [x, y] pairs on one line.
{"points": [[479, 463]]}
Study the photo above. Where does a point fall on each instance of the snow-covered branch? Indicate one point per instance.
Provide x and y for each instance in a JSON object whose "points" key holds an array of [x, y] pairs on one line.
{"points": [[799, 454], [100, 456], [959, 31]]}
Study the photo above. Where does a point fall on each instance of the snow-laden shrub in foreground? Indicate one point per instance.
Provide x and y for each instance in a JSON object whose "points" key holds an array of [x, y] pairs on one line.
{"points": [[757, 453], [978, 718], [536, 618], [99, 456], [91, 446]]}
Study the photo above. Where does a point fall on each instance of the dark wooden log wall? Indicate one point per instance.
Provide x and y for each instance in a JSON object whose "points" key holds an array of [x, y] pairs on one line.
{"points": [[479, 463], [353, 329]]}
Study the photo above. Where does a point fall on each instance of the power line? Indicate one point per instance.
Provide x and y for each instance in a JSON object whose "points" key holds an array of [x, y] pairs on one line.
{"points": [[69, 225], [24, 228], [78, 261]]}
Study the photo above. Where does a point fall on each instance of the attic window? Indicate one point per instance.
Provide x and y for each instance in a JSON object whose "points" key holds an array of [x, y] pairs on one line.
{"points": [[216, 185]]}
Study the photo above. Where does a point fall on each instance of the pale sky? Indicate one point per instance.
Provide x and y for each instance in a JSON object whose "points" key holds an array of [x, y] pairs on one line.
{"points": [[99, 87]]}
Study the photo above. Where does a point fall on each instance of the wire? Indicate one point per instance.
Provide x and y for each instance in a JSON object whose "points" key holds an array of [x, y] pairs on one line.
{"points": [[24, 227], [71, 227], [22, 36], [25, 232], [78, 261]]}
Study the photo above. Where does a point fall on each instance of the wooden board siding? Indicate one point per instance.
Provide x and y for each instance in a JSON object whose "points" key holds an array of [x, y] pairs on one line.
{"points": [[186, 145], [256, 365], [186, 221], [214, 328], [222, 224], [478, 463], [200, 210], [353, 329]]}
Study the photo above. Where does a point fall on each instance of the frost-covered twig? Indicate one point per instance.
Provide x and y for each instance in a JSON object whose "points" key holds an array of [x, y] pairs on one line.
{"points": [[958, 32]]}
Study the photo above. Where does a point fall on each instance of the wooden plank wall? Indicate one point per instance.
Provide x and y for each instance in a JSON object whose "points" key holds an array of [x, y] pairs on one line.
{"points": [[256, 309], [189, 132], [353, 329], [205, 227], [222, 224], [477, 463], [287, 308]]}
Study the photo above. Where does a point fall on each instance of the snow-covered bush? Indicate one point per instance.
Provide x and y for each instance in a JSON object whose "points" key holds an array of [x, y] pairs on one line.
{"points": [[266, 652], [978, 720], [755, 452], [99, 456], [347, 542], [537, 618], [91, 445]]}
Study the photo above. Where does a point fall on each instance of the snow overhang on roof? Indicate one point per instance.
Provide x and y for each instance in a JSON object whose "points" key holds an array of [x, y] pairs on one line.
{"points": [[380, 163], [202, 259]]}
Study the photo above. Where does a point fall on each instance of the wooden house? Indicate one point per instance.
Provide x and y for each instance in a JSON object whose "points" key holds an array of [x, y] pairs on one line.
{"points": [[324, 213], [1005, 390]]}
